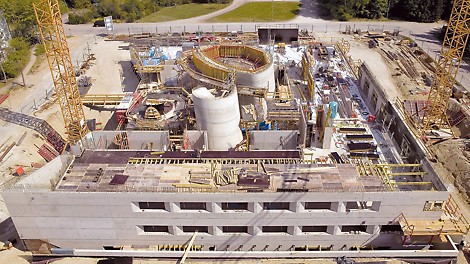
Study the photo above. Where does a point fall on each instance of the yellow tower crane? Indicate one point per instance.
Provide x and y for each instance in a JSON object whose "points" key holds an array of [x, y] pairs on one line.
{"points": [[452, 51], [55, 44]]}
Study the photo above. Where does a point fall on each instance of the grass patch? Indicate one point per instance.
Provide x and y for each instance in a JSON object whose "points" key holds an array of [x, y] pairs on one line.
{"points": [[40, 53], [182, 12], [260, 12]]}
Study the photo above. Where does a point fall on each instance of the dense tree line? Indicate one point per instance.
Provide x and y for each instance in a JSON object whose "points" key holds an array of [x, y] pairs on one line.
{"points": [[412, 10], [123, 10]]}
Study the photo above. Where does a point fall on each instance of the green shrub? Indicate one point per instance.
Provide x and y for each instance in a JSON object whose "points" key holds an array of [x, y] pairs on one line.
{"points": [[75, 19], [18, 56]]}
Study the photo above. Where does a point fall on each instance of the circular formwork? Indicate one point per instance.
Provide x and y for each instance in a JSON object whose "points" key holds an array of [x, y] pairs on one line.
{"points": [[252, 67]]}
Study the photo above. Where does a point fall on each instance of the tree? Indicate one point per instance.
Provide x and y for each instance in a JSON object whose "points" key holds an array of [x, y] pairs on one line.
{"points": [[419, 10], [79, 4], [377, 8], [20, 17]]}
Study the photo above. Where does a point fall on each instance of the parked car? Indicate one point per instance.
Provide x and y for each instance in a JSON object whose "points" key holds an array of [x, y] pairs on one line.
{"points": [[99, 23]]}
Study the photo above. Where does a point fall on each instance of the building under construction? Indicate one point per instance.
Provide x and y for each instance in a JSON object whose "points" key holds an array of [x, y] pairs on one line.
{"points": [[234, 150]]}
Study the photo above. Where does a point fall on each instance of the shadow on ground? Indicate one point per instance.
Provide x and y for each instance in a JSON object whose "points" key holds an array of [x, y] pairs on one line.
{"points": [[8, 233], [129, 79]]}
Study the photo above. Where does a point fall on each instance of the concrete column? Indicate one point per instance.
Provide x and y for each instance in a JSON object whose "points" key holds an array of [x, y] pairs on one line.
{"points": [[373, 229], [255, 207], [295, 207], [215, 230], [172, 207], [327, 137], [333, 230], [176, 230], [334, 206], [339, 207], [217, 207], [254, 230], [294, 230], [213, 207]]}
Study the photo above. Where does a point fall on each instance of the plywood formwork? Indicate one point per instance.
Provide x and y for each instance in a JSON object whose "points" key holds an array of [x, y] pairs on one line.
{"points": [[453, 222]]}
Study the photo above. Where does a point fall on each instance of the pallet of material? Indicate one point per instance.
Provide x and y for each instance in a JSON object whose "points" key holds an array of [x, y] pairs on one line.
{"points": [[3, 97], [45, 152], [369, 155], [361, 147], [359, 137], [352, 130]]}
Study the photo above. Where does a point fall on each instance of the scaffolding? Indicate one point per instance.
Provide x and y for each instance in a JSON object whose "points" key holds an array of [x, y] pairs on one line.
{"points": [[388, 173], [453, 222]]}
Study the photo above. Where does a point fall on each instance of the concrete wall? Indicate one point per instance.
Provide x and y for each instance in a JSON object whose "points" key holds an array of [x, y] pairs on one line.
{"points": [[194, 139], [372, 91], [149, 140], [285, 35], [273, 140], [93, 220]]}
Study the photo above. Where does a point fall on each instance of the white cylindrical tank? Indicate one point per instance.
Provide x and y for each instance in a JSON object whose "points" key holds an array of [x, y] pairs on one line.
{"points": [[219, 116]]}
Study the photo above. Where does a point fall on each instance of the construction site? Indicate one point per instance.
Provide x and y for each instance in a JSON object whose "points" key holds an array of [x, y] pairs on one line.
{"points": [[278, 143]]}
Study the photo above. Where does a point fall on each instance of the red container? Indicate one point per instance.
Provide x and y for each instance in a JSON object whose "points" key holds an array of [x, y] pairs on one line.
{"points": [[371, 118]]}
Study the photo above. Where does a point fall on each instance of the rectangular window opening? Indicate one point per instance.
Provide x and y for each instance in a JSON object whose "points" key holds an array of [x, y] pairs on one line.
{"points": [[317, 206], [363, 205], [433, 206], [274, 229], [192, 229], [235, 229], [390, 229], [112, 247], [314, 229], [156, 229], [192, 206], [234, 206], [276, 206], [354, 229], [152, 205]]}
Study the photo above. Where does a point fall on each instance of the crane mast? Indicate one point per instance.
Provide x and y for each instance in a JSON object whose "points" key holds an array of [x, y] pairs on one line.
{"points": [[453, 47], [53, 36]]}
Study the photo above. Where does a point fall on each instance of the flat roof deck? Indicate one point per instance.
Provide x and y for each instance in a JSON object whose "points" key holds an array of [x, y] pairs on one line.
{"points": [[110, 171]]}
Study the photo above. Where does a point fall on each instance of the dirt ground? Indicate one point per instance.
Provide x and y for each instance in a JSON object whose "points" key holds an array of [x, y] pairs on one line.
{"points": [[105, 74], [456, 161]]}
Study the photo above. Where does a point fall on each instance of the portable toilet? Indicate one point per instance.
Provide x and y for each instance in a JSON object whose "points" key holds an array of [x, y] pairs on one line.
{"points": [[334, 109]]}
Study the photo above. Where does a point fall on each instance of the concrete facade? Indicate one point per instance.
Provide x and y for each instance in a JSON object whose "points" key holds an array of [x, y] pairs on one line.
{"points": [[96, 219], [274, 140]]}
